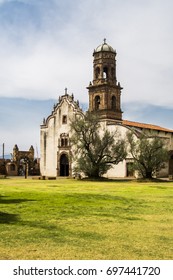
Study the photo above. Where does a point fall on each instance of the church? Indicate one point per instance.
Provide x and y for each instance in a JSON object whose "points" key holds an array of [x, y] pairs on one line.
{"points": [[104, 93]]}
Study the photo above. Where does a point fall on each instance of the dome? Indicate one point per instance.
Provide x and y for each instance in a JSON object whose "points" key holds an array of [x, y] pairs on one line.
{"points": [[104, 48]]}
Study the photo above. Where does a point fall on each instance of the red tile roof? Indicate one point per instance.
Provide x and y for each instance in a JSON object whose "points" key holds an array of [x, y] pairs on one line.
{"points": [[146, 126]]}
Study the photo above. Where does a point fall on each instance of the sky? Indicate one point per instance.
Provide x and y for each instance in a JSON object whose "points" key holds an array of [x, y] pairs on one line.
{"points": [[47, 45]]}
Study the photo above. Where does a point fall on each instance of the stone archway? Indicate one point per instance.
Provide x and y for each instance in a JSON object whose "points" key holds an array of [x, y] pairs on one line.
{"points": [[64, 165]]}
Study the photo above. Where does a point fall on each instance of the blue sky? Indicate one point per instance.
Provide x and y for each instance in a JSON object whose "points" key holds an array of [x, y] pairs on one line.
{"points": [[47, 45]]}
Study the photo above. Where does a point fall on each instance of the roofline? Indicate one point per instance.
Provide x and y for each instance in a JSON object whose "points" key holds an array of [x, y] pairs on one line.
{"points": [[146, 126]]}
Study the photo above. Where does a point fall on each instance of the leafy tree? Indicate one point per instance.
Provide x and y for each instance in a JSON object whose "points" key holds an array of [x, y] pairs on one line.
{"points": [[97, 149], [149, 153]]}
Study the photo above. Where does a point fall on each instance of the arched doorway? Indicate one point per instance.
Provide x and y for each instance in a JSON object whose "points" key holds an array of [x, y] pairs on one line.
{"points": [[64, 165]]}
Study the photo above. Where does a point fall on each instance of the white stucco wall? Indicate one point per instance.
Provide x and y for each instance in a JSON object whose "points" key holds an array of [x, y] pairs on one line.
{"points": [[54, 127]]}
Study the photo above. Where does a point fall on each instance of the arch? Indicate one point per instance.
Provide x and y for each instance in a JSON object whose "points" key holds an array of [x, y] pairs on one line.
{"points": [[97, 102], [66, 142], [64, 165], [105, 72], [113, 102], [97, 72], [11, 168], [62, 142]]}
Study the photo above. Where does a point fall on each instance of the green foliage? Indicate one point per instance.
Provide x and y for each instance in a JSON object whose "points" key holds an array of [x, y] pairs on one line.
{"points": [[96, 148], [149, 153]]}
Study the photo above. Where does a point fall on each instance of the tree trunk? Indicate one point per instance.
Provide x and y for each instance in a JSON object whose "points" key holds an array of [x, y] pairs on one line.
{"points": [[149, 174], [95, 173]]}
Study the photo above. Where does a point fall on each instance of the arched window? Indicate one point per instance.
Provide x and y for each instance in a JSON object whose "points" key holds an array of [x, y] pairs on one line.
{"points": [[62, 142], [105, 72], [66, 142], [97, 102], [113, 103], [97, 72]]}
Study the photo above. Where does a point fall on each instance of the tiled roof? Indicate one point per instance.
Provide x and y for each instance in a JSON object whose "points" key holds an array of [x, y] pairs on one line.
{"points": [[146, 126]]}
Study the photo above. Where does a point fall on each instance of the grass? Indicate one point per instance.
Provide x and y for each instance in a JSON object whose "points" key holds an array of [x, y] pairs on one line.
{"points": [[71, 219]]}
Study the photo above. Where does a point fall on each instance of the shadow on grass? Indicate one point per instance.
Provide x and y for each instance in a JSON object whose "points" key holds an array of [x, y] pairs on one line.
{"points": [[74, 206], [128, 179], [3, 200], [102, 179], [60, 234], [78, 198], [6, 218]]}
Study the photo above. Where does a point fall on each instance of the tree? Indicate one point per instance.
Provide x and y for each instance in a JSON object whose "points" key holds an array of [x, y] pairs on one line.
{"points": [[149, 153], [96, 149]]}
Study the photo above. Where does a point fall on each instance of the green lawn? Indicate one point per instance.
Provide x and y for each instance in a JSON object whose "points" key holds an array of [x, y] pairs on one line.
{"points": [[71, 219]]}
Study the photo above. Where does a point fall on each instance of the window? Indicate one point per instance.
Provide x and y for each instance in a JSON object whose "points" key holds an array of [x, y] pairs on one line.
{"points": [[64, 119], [105, 72], [97, 102], [64, 140]]}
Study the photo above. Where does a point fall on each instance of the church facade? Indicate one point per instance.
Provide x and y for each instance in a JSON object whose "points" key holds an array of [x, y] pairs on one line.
{"points": [[56, 151]]}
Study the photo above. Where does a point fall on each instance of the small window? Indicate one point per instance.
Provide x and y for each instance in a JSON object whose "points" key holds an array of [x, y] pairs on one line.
{"points": [[62, 142], [105, 72], [66, 142], [64, 119], [97, 102]]}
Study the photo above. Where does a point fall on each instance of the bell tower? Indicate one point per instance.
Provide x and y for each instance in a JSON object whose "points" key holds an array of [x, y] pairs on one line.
{"points": [[104, 92]]}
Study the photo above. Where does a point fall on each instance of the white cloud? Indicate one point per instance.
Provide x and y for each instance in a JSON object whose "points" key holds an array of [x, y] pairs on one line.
{"points": [[42, 72], [46, 46], [53, 48]]}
